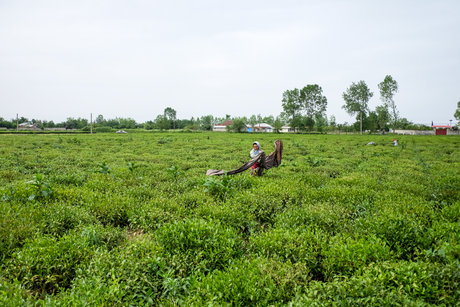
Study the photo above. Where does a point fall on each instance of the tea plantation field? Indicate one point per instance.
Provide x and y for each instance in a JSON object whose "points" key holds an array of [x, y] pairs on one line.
{"points": [[132, 219]]}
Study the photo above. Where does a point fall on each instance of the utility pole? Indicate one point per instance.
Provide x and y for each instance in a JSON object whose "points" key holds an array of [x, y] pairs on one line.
{"points": [[91, 121], [17, 122]]}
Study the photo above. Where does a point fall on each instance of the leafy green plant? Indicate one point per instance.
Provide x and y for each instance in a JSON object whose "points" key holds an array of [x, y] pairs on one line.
{"points": [[175, 172], [219, 187], [132, 166], [41, 188], [314, 161], [103, 168], [164, 140]]}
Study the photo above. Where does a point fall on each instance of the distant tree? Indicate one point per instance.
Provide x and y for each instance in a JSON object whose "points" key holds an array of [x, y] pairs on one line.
{"points": [[7, 124], [278, 124], [356, 100], [238, 125], [388, 87], [304, 105], [383, 116], [370, 121], [21, 119], [126, 123], [308, 123], [252, 121], [320, 122], [48, 124], [292, 106], [403, 123], [72, 123], [162, 122], [170, 114], [207, 122], [148, 125], [332, 123], [297, 123], [457, 112], [99, 119], [268, 119], [313, 101]]}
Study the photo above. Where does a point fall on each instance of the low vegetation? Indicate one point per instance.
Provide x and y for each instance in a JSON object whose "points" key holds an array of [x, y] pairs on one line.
{"points": [[131, 219]]}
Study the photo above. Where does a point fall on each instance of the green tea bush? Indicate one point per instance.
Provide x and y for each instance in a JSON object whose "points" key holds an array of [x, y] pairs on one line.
{"points": [[18, 222], [404, 234], [232, 214], [103, 129], [75, 179], [196, 245], [48, 264], [345, 255], [434, 283], [58, 218], [149, 217], [292, 246], [247, 282], [401, 283], [130, 274], [13, 294], [110, 209], [326, 217], [265, 207]]}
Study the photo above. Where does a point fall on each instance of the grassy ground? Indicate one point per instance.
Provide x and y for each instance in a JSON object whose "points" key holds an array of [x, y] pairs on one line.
{"points": [[111, 219]]}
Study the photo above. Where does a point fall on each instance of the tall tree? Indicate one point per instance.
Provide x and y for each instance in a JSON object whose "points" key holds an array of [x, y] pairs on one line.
{"points": [[170, 114], [332, 123], [388, 88], [383, 116], [292, 106], [207, 122], [277, 124], [356, 100], [100, 119], [162, 122], [313, 102]]}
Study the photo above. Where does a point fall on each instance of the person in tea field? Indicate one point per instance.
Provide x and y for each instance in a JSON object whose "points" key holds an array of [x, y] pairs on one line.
{"points": [[254, 152], [258, 158]]}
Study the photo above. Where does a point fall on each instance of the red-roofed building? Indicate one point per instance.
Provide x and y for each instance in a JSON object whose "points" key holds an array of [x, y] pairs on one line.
{"points": [[441, 129], [222, 127]]}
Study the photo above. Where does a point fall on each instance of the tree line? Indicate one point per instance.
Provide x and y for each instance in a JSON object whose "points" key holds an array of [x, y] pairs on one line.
{"points": [[304, 110]]}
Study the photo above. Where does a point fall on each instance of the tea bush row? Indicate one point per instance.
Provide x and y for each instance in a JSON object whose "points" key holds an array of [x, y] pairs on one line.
{"points": [[133, 220]]}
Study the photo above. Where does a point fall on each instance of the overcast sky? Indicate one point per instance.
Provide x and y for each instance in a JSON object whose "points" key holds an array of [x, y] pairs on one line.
{"points": [[134, 58]]}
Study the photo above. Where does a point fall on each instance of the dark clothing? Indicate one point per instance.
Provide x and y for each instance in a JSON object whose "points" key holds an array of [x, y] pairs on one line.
{"points": [[265, 162]]}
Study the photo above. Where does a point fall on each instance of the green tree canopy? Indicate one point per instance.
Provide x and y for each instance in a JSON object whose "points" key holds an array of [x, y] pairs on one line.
{"points": [[388, 87], [238, 125], [170, 114], [304, 105], [356, 98], [313, 102], [383, 116]]}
